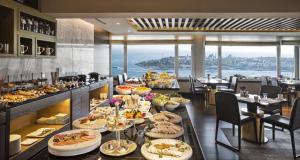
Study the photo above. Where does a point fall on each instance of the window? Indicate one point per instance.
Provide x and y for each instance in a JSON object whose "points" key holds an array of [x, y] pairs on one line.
{"points": [[117, 59], [287, 61], [211, 60], [184, 60], [150, 57], [250, 61]]}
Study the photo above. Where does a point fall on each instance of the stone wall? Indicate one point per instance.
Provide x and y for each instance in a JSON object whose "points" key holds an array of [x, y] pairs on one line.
{"points": [[75, 54]]}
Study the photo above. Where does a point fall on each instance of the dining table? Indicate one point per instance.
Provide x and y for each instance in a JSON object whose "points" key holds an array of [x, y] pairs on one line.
{"points": [[252, 110]]}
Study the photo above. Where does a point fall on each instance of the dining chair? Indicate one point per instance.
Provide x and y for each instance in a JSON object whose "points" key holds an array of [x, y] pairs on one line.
{"points": [[264, 80], [199, 89], [232, 86], [272, 92], [274, 81], [125, 77], [120, 79], [291, 124], [227, 110]]}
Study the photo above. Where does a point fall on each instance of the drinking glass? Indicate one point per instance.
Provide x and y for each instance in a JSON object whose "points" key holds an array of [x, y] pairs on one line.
{"points": [[265, 95]]}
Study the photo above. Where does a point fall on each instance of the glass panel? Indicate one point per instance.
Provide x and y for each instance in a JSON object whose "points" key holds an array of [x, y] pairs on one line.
{"points": [[287, 61], [250, 61], [150, 57], [184, 59], [211, 60], [117, 59]]}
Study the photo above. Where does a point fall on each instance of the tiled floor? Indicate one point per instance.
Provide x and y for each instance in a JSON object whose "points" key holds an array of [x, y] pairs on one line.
{"points": [[204, 124]]}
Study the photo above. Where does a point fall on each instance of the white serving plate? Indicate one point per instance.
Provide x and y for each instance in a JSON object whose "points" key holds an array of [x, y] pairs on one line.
{"points": [[178, 120], [75, 149], [100, 125], [132, 148], [162, 135], [150, 156]]}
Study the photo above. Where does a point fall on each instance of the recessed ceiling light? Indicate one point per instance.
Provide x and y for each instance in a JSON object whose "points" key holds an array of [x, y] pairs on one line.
{"points": [[118, 23], [129, 30]]}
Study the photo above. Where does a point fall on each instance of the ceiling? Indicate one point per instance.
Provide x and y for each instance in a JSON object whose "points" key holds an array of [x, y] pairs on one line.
{"points": [[196, 26], [216, 24]]}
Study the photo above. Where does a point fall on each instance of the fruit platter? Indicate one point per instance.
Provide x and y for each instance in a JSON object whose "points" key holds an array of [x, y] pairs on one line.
{"points": [[142, 90], [124, 89]]}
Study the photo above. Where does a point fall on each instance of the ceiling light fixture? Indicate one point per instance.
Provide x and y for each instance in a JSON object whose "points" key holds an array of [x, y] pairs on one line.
{"points": [[118, 23]]}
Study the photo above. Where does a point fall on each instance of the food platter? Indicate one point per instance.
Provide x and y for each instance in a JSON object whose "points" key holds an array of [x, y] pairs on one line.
{"points": [[85, 141], [124, 89], [164, 130], [166, 149], [102, 112], [166, 116], [182, 101], [86, 123], [110, 148], [142, 90]]}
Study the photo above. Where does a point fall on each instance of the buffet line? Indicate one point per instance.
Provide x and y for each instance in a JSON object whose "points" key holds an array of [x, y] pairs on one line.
{"points": [[135, 122], [130, 114]]}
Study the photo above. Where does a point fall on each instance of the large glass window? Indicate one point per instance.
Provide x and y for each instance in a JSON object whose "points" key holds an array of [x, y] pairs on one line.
{"points": [[287, 61], [211, 60], [185, 60], [250, 61], [150, 57], [117, 59]]}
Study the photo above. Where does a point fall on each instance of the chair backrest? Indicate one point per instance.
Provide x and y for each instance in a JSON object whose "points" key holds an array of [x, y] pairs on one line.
{"points": [[233, 83], [272, 91], [253, 86], [264, 81], [120, 79], [227, 107], [274, 81], [295, 115], [191, 80], [125, 77]]}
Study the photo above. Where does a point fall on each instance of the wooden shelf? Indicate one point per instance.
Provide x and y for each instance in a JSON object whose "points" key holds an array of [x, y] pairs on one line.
{"points": [[41, 141], [7, 30], [11, 32]]}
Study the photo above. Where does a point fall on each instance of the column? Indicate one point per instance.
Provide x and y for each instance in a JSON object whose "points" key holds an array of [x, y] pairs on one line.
{"points": [[198, 56], [219, 58], [110, 59], [297, 60], [278, 59], [176, 60], [125, 55]]}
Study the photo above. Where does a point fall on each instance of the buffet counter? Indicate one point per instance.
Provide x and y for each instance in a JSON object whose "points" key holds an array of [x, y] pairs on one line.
{"points": [[188, 137], [38, 119]]}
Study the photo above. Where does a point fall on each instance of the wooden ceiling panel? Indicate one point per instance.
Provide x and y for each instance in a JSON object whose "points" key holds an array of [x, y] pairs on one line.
{"points": [[216, 24]]}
